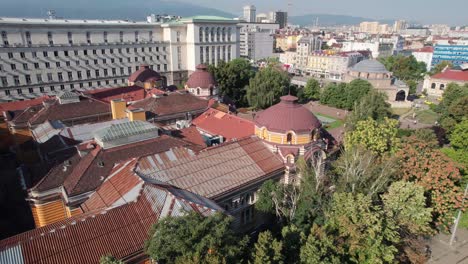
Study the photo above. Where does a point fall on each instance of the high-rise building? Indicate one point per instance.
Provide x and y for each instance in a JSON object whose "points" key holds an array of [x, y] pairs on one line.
{"points": [[45, 56], [249, 13], [281, 18], [399, 25], [257, 40], [369, 27], [456, 54]]}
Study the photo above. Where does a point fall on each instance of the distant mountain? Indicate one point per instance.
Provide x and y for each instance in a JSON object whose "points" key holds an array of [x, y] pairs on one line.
{"points": [[331, 20], [108, 9]]}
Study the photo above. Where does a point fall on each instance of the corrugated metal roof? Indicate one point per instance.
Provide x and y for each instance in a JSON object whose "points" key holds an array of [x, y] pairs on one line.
{"points": [[123, 130]]}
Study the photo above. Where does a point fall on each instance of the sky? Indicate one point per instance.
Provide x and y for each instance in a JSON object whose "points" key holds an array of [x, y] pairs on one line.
{"points": [[454, 12]]}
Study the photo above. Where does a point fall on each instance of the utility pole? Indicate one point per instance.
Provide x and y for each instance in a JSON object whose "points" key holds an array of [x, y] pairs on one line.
{"points": [[454, 230]]}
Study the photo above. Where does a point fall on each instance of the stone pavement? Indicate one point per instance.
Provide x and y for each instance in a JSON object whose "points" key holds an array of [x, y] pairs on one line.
{"points": [[443, 253]]}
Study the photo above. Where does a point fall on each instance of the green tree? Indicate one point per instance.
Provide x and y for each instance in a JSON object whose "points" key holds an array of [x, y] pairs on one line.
{"points": [[334, 95], [109, 259], [440, 67], [458, 150], [437, 174], [233, 78], [427, 135], [193, 237], [266, 87], [378, 137], [292, 240], [372, 105], [355, 91], [320, 247], [405, 68], [312, 90], [453, 107], [267, 249]]}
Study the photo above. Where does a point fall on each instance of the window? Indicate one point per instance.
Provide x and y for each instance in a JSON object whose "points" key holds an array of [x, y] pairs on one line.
{"points": [[120, 60], [67, 63], [62, 87], [111, 51], [65, 53], [60, 76], [105, 37], [39, 77], [49, 76], [25, 66], [50, 38], [88, 38], [229, 34], [136, 58], [178, 36], [31, 90], [150, 49], [200, 34], [34, 54], [121, 36], [115, 81], [223, 34], [103, 51], [212, 35], [119, 50], [207, 34], [165, 67], [5, 38], [28, 79], [4, 81], [150, 36], [19, 91], [78, 73], [136, 36], [114, 72], [94, 52], [135, 50], [22, 55], [218, 34], [289, 138], [70, 75], [13, 66], [81, 85], [47, 65], [442, 86], [96, 72], [105, 72], [72, 86], [90, 84], [129, 70], [55, 53], [142, 49], [122, 71], [157, 49], [41, 89], [28, 38], [433, 86], [75, 52], [57, 64], [104, 61], [112, 60], [45, 54], [10, 55], [70, 38], [107, 82], [85, 52], [95, 62], [7, 92], [36, 65], [99, 83]]}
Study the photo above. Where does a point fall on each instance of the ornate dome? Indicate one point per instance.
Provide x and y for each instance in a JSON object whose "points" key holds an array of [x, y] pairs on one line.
{"points": [[370, 66], [201, 78], [286, 116], [144, 74]]}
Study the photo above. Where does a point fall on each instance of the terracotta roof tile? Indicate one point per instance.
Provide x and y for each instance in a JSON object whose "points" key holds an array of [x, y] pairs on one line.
{"points": [[454, 75], [201, 78], [144, 74], [21, 105], [127, 93]]}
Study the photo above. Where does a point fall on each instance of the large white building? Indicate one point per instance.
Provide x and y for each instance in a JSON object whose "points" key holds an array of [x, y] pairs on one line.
{"points": [[377, 48], [424, 55], [250, 13], [257, 40], [40, 56]]}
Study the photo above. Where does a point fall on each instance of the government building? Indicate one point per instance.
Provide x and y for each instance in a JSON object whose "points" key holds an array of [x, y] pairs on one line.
{"points": [[45, 56]]}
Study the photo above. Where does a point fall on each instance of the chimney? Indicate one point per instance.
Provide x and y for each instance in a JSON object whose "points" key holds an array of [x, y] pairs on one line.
{"points": [[136, 114], [118, 107]]}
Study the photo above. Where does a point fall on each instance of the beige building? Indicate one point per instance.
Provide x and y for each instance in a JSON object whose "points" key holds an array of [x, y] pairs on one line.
{"points": [[435, 85], [287, 42], [332, 66]]}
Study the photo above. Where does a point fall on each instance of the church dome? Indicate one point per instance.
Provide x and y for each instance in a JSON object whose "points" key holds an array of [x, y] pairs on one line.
{"points": [[201, 78], [144, 74], [370, 66], [286, 116]]}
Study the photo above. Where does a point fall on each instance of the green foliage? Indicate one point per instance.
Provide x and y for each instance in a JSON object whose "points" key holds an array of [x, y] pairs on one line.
{"points": [[345, 95], [320, 247], [193, 237], [311, 90], [267, 249], [405, 68], [373, 105], [378, 137], [440, 67], [266, 87], [427, 135], [454, 106], [405, 203], [292, 239], [109, 259], [233, 78]]}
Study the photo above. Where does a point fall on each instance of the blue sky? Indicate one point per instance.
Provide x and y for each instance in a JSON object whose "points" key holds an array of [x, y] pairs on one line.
{"points": [[425, 11]]}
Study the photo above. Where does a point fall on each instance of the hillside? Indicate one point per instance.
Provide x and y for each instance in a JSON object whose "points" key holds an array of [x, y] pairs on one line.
{"points": [[329, 20]]}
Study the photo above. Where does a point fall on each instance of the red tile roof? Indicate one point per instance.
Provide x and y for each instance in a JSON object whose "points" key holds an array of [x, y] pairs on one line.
{"points": [[428, 49], [172, 103], [287, 115], [127, 93], [453, 75], [21, 105], [144, 74], [120, 231], [215, 122], [201, 78], [190, 134]]}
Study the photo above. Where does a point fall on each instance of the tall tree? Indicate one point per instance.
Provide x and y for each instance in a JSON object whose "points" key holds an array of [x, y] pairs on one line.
{"points": [[233, 78], [321, 247], [266, 87], [378, 137], [312, 90], [405, 68], [440, 67], [437, 174], [193, 236], [334, 95], [267, 249], [453, 107], [372, 105], [355, 91]]}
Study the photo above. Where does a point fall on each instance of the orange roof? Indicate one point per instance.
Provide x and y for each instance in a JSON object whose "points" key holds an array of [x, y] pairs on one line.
{"points": [[428, 49], [454, 75], [229, 126], [21, 105], [128, 93]]}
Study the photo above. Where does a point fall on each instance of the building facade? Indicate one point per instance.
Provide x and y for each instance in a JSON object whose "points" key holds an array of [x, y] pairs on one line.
{"points": [[281, 18], [257, 40], [456, 54], [305, 46], [250, 13], [45, 56], [377, 48], [424, 55], [332, 66], [435, 85]]}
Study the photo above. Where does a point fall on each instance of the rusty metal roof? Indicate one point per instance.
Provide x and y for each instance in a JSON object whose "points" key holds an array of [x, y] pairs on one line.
{"points": [[214, 171]]}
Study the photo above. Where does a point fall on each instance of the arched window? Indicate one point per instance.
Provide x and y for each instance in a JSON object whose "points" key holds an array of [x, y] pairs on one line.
{"points": [[223, 34], [218, 34], [433, 85], [229, 34], [442, 86], [289, 137], [207, 34], [200, 36], [264, 133], [212, 38], [198, 91]]}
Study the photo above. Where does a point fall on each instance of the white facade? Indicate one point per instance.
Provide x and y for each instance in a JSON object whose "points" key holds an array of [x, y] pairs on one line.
{"points": [[250, 13], [305, 46], [378, 49], [424, 56], [257, 40], [45, 56]]}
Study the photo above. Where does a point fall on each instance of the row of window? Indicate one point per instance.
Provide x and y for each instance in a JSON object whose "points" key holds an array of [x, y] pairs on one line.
{"points": [[79, 74], [62, 87], [207, 54], [211, 34], [67, 53], [441, 86], [50, 37]]}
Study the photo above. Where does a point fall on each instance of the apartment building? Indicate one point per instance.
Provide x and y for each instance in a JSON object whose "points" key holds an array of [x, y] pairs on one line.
{"points": [[45, 56], [257, 40], [305, 46], [332, 66]]}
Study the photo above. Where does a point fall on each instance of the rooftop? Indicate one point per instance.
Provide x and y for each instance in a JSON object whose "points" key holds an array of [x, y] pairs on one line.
{"points": [[128, 93], [453, 75], [124, 130], [370, 66]]}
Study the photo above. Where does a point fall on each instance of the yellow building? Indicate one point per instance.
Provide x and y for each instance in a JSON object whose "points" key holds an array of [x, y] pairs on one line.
{"points": [[287, 42]]}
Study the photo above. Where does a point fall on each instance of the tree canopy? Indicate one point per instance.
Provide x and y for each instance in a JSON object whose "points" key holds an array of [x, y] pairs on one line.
{"points": [[178, 239], [454, 106], [440, 67], [343, 95], [311, 90], [268, 85], [267, 249], [405, 68], [373, 105]]}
